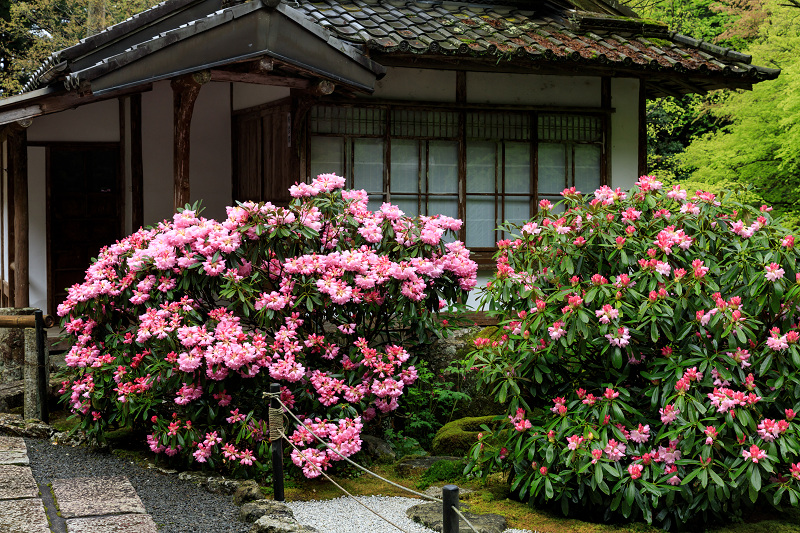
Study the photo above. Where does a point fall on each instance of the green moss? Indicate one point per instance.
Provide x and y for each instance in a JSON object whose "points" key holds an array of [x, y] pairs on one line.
{"points": [[457, 437], [444, 470], [661, 43]]}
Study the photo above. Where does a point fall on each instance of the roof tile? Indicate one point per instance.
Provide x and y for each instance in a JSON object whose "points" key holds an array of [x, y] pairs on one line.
{"points": [[434, 27]]}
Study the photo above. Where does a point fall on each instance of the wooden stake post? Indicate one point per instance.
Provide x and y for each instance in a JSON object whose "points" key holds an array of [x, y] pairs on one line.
{"points": [[277, 445], [449, 516]]}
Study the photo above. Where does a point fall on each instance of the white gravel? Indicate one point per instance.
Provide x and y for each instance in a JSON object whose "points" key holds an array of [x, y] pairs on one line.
{"points": [[343, 515]]}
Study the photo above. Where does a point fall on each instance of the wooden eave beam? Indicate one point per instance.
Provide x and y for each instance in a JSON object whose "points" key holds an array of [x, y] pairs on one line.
{"points": [[691, 86], [259, 78], [62, 102]]}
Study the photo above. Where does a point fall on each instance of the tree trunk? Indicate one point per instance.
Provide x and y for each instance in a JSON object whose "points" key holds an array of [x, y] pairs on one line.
{"points": [[95, 17]]}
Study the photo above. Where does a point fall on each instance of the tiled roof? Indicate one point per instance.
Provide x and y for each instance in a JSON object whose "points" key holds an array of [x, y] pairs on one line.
{"points": [[516, 34]]}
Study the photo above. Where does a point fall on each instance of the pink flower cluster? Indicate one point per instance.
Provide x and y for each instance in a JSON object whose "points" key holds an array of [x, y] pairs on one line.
{"points": [[725, 399], [270, 294], [344, 439], [520, 422]]}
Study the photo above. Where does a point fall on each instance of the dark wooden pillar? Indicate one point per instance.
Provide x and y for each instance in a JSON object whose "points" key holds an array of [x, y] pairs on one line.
{"points": [[18, 170], [605, 103], [184, 91], [137, 166], [642, 128]]}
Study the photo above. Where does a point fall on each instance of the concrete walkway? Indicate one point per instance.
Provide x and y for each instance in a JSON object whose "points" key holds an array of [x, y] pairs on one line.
{"points": [[74, 505]]}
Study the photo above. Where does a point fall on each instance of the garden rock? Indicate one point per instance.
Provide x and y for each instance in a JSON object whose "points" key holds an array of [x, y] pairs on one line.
{"points": [[252, 511], [248, 491], [64, 438], [414, 466], [220, 485], [430, 515], [377, 449], [16, 426], [277, 524], [458, 436]]}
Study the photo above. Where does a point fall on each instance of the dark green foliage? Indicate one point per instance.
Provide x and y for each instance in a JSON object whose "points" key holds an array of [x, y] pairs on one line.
{"points": [[444, 470], [428, 404]]}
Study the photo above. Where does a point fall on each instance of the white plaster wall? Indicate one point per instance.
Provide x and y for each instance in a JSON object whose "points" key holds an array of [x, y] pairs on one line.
{"points": [[37, 228], [417, 84], [532, 89], [624, 132], [210, 168], [475, 294], [157, 153], [97, 122], [210, 164], [250, 95]]}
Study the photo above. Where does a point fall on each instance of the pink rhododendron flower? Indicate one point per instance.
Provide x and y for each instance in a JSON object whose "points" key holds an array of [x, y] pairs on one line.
{"points": [[641, 434], [669, 414], [754, 453], [635, 470], [614, 450], [774, 272]]}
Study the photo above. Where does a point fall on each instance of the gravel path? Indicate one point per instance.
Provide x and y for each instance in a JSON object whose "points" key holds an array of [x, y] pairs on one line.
{"points": [[176, 506], [327, 516], [181, 506]]}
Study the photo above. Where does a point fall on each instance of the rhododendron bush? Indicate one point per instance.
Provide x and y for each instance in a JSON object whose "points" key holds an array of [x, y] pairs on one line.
{"points": [[648, 355], [181, 328]]}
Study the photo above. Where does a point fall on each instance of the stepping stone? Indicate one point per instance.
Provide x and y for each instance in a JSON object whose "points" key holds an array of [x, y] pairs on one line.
{"points": [[13, 451], [430, 515], [123, 523], [17, 482], [23, 516], [95, 496]]}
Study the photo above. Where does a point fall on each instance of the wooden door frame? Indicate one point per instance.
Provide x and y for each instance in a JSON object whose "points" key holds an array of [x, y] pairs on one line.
{"points": [[120, 200]]}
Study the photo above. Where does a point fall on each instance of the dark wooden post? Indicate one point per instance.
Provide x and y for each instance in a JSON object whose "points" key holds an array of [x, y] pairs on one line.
{"points": [[18, 167], [605, 158], [42, 368], [184, 92], [449, 516], [277, 446]]}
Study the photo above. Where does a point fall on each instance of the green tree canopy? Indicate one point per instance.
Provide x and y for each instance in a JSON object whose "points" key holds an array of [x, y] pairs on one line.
{"points": [[33, 29], [760, 145]]}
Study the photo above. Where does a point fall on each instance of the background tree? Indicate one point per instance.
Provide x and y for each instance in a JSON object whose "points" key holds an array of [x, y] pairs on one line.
{"points": [[759, 146], [673, 123], [31, 30]]}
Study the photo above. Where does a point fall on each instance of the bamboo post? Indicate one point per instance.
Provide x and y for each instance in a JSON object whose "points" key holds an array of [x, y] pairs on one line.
{"points": [[449, 502], [277, 446]]}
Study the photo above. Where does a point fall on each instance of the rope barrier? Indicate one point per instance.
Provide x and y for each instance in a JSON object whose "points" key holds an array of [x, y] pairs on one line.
{"points": [[287, 410], [276, 421], [342, 488], [464, 518]]}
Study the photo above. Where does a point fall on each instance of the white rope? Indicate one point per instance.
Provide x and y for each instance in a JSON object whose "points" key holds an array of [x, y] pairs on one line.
{"points": [[277, 397], [359, 502], [464, 518]]}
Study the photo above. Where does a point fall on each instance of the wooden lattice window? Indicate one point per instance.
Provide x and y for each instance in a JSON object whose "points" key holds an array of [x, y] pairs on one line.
{"points": [[485, 167]]}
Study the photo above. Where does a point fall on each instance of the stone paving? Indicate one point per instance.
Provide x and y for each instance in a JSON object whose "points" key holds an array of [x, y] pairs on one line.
{"points": [[89, 505]]}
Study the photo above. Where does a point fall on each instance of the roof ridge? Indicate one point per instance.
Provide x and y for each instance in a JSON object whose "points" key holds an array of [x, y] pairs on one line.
{"points": [[711, 48]]}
